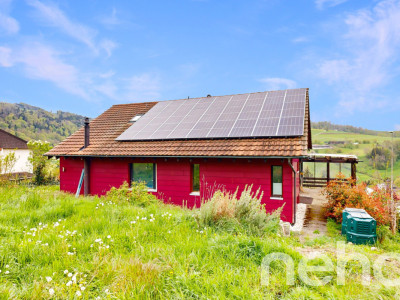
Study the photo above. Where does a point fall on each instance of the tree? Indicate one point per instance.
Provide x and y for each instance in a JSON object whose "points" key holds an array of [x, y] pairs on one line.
{"points": [[38, 160], [7, 163]]}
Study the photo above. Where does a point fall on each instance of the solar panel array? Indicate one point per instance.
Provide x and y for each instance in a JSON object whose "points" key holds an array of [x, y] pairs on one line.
{"points": [[265, 114]]}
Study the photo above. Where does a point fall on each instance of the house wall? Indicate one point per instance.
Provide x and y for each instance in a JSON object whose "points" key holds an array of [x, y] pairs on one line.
{"points": [[22, 164], [174, 178]]}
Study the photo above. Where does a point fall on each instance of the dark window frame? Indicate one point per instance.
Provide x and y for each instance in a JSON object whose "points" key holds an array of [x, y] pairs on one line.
{"points": [[155, 182], [192, 188], [272, 182]]}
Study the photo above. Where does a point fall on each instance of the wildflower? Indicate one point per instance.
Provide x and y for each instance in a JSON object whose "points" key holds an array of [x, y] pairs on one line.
{"points": [[70, 253], [107, 246], [7, 266], [51, 292], [109, 236], [69, 283], [82, 288], [69, 274], [66, 272], [169, 231], [48, 279], [7, 272], [97, 240], [137, 218]]}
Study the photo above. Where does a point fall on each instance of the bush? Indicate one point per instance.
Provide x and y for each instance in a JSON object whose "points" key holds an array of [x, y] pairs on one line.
{"points": [[343, 194], [225, 210], [137, 194], [397, 182]]}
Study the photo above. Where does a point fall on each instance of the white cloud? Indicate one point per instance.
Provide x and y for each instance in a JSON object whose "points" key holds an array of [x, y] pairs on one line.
{"points": [[369, 53], [8, 25], [275, 83], [300, 39], [111, 20], [397, 127], [108, 46], [42, 62], [56, 17], [328, 3], [143, 87], [5, 57]]}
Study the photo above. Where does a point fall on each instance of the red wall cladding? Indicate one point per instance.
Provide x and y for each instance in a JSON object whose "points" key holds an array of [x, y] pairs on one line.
{"points": [[174, 178]]}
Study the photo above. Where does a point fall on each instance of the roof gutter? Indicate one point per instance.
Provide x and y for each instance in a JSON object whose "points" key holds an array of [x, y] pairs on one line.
{"points": [[174, 156]]}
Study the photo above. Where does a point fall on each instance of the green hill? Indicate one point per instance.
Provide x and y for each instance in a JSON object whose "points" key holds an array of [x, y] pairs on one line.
{"points": [[362, 142], [34, 123]]}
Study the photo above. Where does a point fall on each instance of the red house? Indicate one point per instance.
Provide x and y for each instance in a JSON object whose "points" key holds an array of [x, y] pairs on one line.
{"points": [[183, 149]]}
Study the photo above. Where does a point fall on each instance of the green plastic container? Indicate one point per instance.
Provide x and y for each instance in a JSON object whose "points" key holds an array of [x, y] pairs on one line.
{"points": [[359, 239], [346, 213], [361, 228]]}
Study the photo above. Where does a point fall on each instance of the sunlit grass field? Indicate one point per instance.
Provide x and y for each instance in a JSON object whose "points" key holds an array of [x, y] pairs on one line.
{"points": [[56, 246]]}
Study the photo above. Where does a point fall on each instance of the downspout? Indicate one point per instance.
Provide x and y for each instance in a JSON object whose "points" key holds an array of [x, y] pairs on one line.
{"points": [[86, 162], [294, 191]]}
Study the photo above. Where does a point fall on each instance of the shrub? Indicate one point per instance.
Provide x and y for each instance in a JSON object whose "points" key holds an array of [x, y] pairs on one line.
{"points": [[45, 170], [343, 194], [225, 210], [137, 194]]}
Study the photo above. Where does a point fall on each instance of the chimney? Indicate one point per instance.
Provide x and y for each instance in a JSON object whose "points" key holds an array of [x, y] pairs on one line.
{"points": [[87, 132]]}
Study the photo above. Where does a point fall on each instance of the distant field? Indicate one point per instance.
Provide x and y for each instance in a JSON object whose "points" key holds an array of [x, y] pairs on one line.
{"points": [[365, 143]]}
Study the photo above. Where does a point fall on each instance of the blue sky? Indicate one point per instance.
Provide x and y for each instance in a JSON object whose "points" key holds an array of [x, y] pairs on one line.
{"points": [[84, 56]]}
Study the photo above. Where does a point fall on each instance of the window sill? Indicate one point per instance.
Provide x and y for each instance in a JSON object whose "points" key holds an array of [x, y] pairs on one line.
{"points": [[194, 194], [152, 190], [276, 198]]}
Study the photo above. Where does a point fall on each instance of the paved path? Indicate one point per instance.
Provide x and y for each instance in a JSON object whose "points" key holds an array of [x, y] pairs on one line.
{"points": [[315, 220]]}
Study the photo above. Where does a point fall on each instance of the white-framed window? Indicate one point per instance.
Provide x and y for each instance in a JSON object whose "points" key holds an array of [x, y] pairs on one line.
{"points": [[277, 181]]}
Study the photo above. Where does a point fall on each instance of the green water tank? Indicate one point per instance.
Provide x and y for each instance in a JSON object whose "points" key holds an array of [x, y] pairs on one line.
{"points": [[361, 228], [345, 215]]}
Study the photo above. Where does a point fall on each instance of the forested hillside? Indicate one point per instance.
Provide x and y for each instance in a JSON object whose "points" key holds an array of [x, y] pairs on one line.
{"points": [[34, 123]]}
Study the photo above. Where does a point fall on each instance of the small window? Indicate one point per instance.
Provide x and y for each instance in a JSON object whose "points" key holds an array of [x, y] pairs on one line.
{"points": [[195, 178], [135, 118], [145, 173], [276, 181]]}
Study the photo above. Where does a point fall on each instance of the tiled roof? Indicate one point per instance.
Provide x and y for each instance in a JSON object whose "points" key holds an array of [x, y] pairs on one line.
{"points": [[109, 125], [10, 141]]}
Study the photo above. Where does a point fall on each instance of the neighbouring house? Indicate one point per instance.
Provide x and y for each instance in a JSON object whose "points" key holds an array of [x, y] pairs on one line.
{"points": [[11, 143], [185, 149]]}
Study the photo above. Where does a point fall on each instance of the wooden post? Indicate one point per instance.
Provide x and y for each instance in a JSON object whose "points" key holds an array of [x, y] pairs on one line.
{"points": [[86, 180], [353, 171], [328, 172]]}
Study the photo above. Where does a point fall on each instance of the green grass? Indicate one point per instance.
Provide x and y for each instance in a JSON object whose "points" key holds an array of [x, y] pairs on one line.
{"points": [[125, 251], [365, 170]]}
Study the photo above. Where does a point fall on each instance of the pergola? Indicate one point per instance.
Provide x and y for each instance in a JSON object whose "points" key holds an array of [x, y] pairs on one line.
{"points": [[320, 168]]}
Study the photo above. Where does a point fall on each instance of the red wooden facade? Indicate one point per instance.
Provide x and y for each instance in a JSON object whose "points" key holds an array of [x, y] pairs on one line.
{"points": [[173, 177]]}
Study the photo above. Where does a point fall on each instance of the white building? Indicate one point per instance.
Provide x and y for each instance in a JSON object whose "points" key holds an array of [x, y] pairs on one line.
{"points": [[11, 143]]}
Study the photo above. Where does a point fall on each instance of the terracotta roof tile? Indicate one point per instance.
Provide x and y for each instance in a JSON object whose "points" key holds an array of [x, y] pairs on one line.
{"points": [[109, 125], [10, 141]]}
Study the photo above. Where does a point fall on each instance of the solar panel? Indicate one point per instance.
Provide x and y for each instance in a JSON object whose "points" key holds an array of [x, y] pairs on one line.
{"points": [[265, 114]]}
